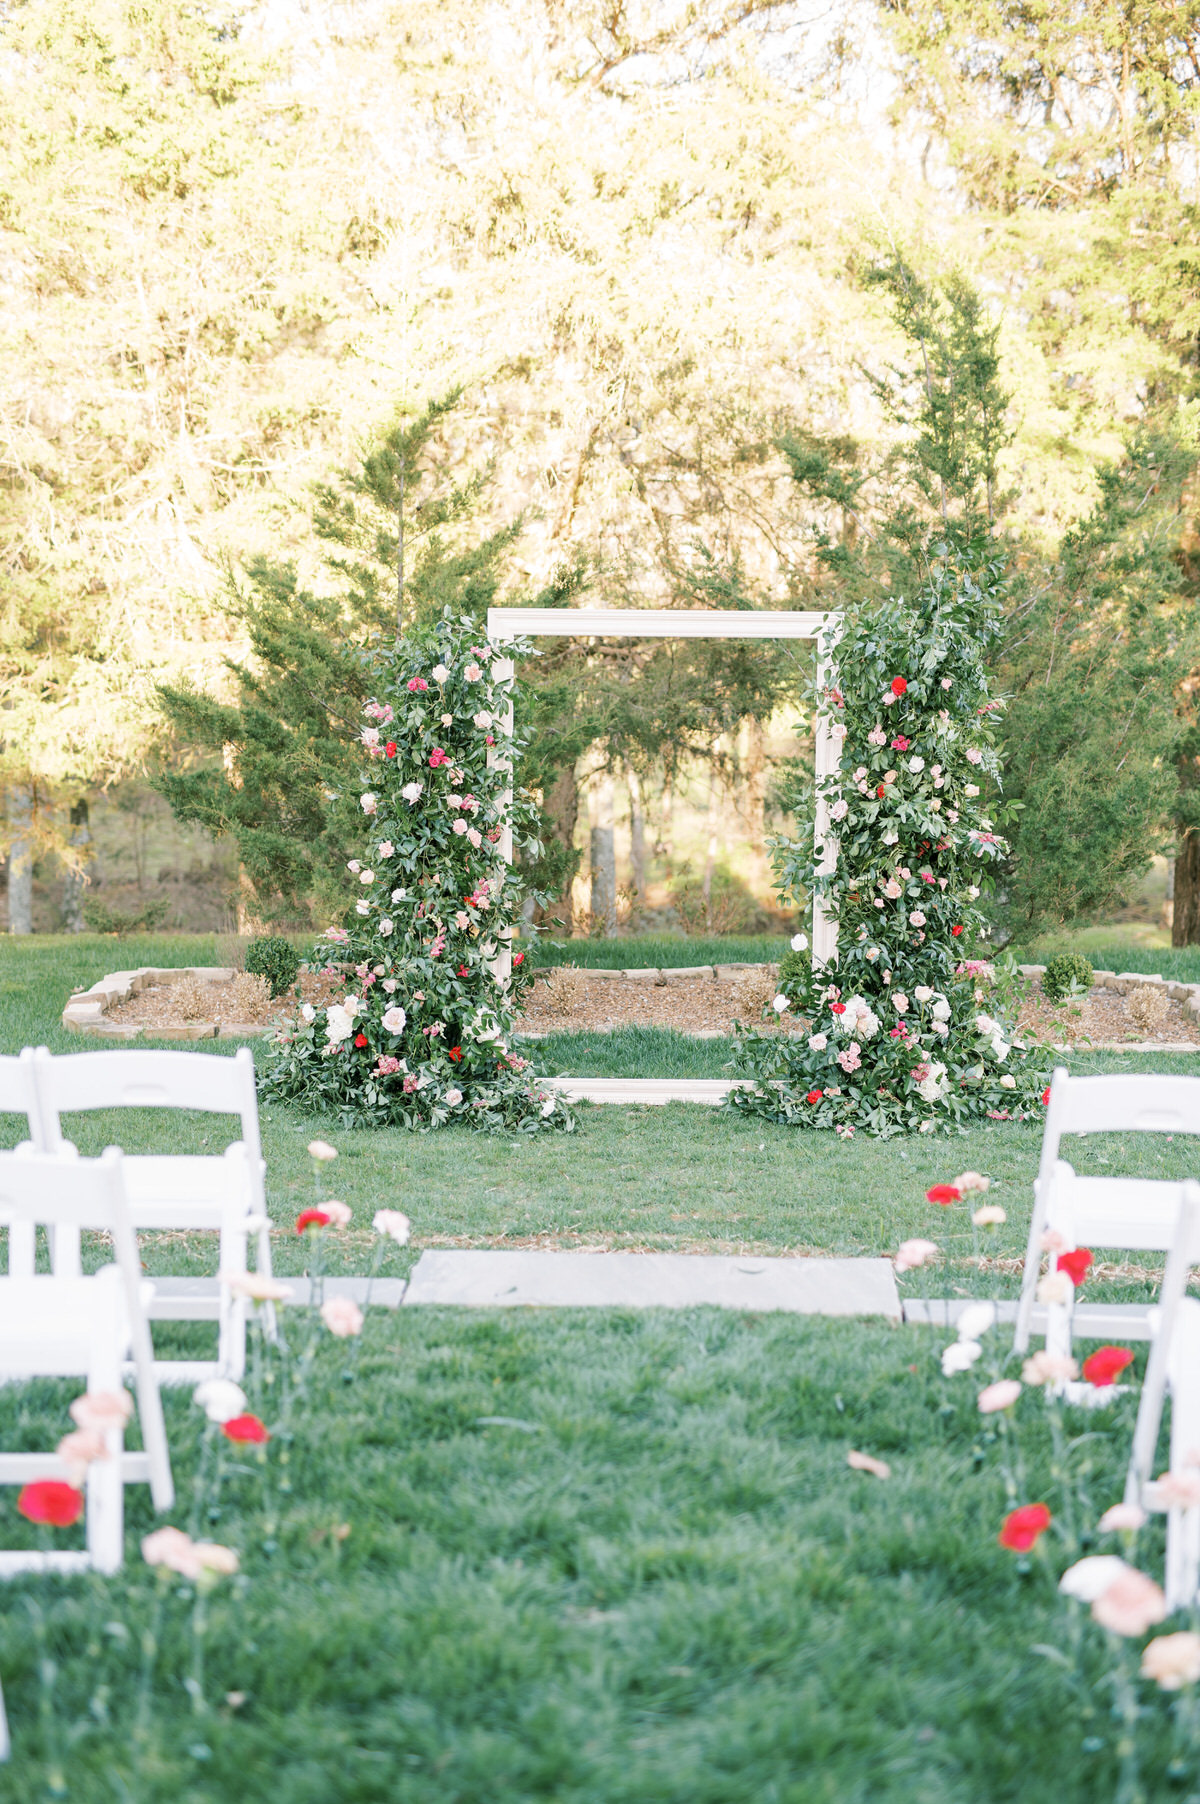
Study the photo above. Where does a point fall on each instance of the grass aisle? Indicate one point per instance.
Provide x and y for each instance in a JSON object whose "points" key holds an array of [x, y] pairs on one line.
{"points": [[608, 1559]]}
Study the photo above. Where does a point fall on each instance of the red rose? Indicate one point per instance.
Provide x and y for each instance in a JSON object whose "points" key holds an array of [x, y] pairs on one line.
{"points": [[837, 1008], [956, 931], [390, 748], [1075, 1264], [246, 1429], [1103, 1365], [814, 1096], [1046, 1097], [518, 958], [899, 686], [52, 1502], [1023, 1526], [311, 1218], [881, 792], [463, 972], [360, 1039], [945, 1194], [456, 1053]]}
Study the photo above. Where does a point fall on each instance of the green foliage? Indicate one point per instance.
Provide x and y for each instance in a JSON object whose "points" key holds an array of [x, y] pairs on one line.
{"points": [[897, 1042], [796, 976], [101, 918], [421, 1037], [276, 959], [1067, 974]]}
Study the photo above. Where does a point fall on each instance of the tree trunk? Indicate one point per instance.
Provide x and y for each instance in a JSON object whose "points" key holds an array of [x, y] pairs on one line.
{"points": [[712, 829], [20, 858], [561, 809], [666, 809], [1185, 925], [75, 881], [604, 855], [637, 836]]}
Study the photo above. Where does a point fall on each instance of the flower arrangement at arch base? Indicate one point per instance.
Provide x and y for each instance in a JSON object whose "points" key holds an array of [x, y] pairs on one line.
{"points": [[899, 1036], [421, 1036]]}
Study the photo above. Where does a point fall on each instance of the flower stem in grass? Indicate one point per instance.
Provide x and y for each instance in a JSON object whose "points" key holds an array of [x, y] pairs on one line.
{"points": [[56, 1782], [200, 1494], [1127, 1711]]}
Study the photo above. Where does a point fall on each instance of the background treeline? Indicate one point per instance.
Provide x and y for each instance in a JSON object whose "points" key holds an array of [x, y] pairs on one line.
{"points": [[654, 303]]}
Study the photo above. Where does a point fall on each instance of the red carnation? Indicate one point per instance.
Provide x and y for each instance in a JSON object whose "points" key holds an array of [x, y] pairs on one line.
{"points": [[463, 972], [837, 1008], [311, 1218], [52, 1502], [518, 958], [247, 1429], [945, 1194], [360, 1039], [391, 748], [956, 931], [1075, 1264], [1102, 1366], [814, 1096], [899, 686], [455, 1053], [1023, 1526]]}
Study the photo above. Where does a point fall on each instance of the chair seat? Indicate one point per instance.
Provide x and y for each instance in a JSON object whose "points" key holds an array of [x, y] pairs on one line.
{"points": [[48, 1324]]}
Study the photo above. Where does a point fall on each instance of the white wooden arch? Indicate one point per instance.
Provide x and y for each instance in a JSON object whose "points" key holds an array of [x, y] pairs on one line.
{"points": [[506, 624]]}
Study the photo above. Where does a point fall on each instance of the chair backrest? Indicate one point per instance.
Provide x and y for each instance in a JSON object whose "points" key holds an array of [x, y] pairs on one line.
{"points": [[17, 1093], [1137, 1214], [1117, 1103], [142, 1079], [1184, 1254]]}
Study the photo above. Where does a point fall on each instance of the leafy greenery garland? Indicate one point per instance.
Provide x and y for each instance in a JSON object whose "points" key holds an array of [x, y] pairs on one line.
{"points": [[421, 1035], [902, 1035]]}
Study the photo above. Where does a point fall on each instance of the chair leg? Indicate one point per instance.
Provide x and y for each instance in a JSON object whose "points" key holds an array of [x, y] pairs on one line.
{"points": [[1183, 1558], [1029, 1277], [263, 1264], [106, 1508], [5, 1743], [231, 1318]]}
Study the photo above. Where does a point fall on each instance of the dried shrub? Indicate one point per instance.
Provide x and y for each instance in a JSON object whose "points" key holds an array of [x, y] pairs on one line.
{"points": [[247, 999], [194, 999], [561, 992], [1149, 1005], [754, 991]]}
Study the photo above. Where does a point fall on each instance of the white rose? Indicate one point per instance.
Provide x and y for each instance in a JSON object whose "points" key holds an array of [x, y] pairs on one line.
{"points": [[389, 985], [386, 848], [867, 1025], [394, 1019], [891, 837], [447, 719], [354, 866], [220, 1399], [940, 1027], [398, 895], [916, 918], [482, 720], [970, 789], [369, 803], [385, 927], [974, 756], [818, 1042], [916, 765], [941, 1009], [366, 876], [1008, 1081], [440, 674], [871, 954], [975, 1320], [799, 942], [453, 1098], [412, 792], [985, 1024], [892, 889], [780, 1005], [840, 809], [460, 826], [338, 1024], [900, 1002], [973, 892], [548, 1107], [922, 992], [362, 908], [935, 804], [308, 1012], [1000, 1049]]}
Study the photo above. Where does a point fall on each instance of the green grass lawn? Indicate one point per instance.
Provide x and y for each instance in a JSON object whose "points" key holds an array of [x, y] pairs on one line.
{"points": [[660, 949], [650, 1577]]}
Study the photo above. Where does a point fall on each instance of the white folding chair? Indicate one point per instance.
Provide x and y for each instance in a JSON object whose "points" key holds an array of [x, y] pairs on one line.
{"points": [[224, 1193], [1137, 1214], [1174, 1362], [18, 1097], [53, 1326]]}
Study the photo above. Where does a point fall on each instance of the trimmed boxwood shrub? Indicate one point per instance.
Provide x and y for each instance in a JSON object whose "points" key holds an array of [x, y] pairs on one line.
{"points": [[1067, 974], [276, 959]]}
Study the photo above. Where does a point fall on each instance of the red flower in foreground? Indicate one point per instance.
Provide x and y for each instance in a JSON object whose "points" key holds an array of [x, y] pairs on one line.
{"points": [[945, 1194], [1023, 1526], [1075, 1264], [463, 972], [1046, 1097], [814, 1096], [837, 1008], [956, 931], [247, 1429], [881, 792], [1102, 1366], [51, 1501], [311, 1218], [455, 1053], [391, 748], [360, 1039], [899, 686], [518, 958]]}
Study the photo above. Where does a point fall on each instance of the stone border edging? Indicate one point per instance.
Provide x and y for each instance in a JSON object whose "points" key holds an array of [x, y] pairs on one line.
{"points": [[87, 1010]]}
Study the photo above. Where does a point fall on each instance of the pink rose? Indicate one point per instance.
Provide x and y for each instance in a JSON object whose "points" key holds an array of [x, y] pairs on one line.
{"points": [[437, 757], [417, 685], [472, 673]]}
